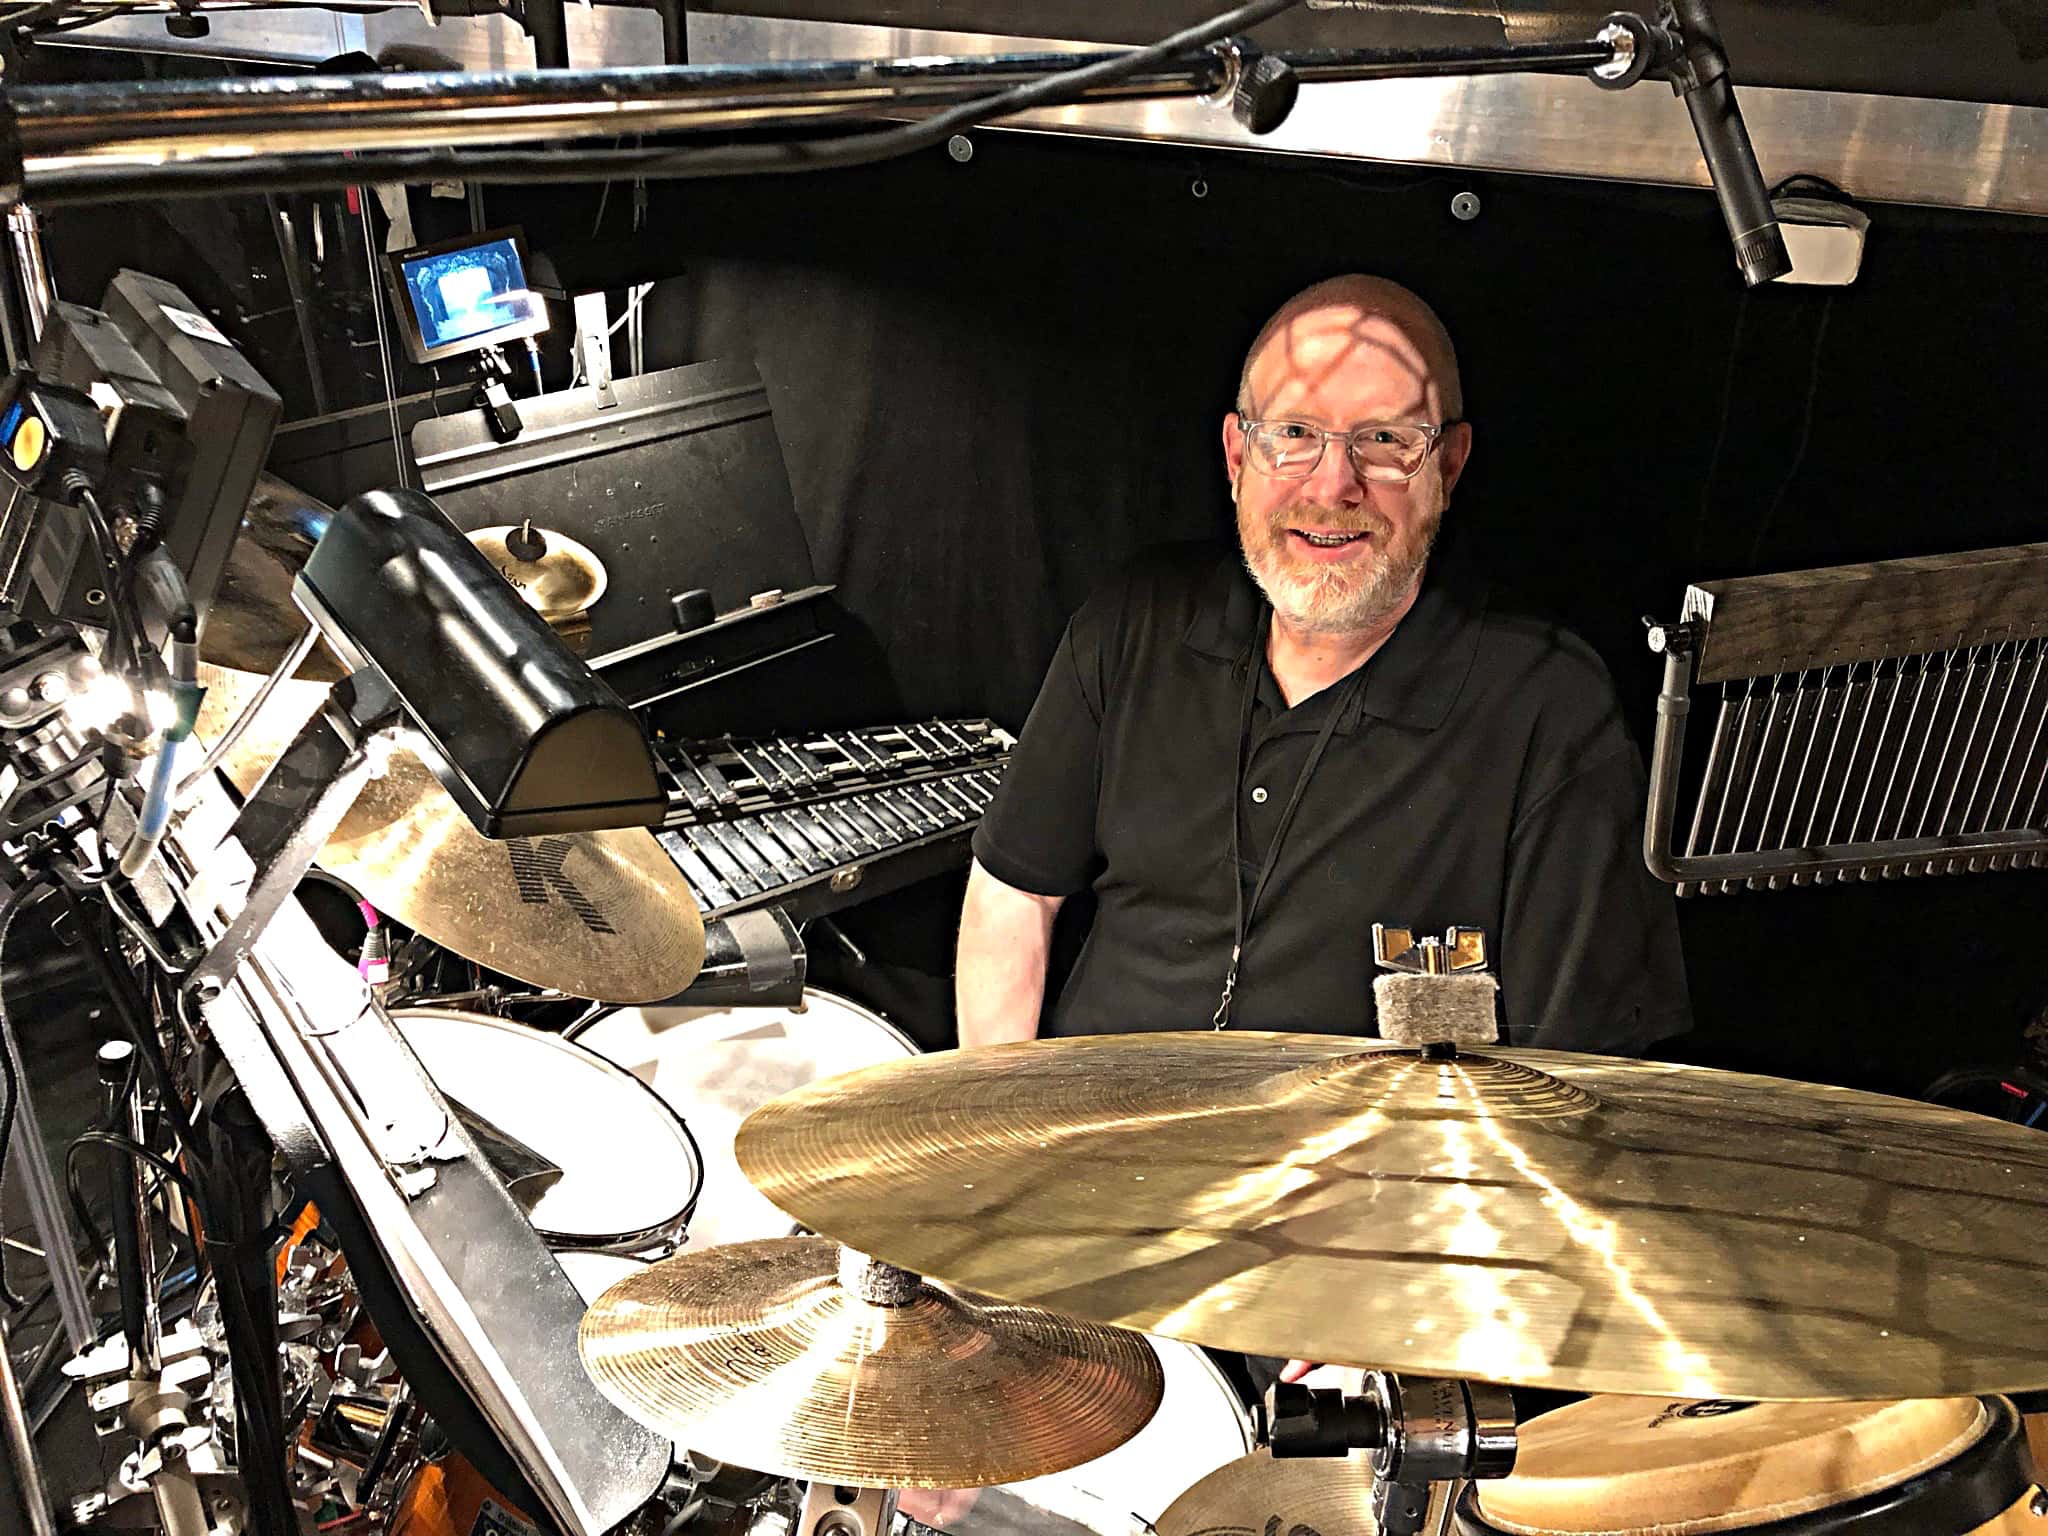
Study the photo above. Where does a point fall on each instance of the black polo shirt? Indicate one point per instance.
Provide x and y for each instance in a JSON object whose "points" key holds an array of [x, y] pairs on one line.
{"points": [[1479, 774]]}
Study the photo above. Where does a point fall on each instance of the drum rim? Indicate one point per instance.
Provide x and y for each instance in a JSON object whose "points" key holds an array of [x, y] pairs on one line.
{"points": [[574, 1035], [670, 1231], [1987, 1478]]}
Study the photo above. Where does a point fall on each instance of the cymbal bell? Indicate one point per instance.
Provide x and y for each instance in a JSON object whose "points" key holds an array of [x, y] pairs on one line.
{"points": [[1246, 1497], [253, 622], [757, 1354], [1520, 1216], [594, 914]]}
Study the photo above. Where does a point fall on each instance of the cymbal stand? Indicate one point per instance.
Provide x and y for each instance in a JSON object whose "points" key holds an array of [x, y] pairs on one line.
{"points": [[1423, 1431], [834, 1511]]}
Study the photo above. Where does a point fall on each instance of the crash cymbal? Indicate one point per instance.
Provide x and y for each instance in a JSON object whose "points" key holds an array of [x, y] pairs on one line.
{"points": [[1520, 1216], [253, 622], [557, 576], [1245, 1498], [757, 1354], [595, 914]]}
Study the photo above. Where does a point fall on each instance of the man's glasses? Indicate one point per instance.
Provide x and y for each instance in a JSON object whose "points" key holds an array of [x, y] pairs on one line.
{"points": [[1385, 451]]}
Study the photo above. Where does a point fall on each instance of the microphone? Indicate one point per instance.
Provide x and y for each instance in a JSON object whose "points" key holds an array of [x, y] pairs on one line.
{"points": [[1698, 70]]}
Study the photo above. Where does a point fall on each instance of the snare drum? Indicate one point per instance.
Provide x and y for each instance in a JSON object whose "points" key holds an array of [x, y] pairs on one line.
{"points": [[1638, 1466], [630, 1173], [716, 1066], [1201, 1425]]}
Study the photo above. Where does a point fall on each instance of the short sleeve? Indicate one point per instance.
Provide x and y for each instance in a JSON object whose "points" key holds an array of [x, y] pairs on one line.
{"points": [[1590, 951], [1039, 835]]}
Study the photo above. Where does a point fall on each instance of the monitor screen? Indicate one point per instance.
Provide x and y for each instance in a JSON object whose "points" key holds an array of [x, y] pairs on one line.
{"points": [[463, 297]]}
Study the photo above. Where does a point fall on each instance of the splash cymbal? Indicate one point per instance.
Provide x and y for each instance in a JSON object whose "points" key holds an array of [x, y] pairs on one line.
{"points": [[253, 621], [1521, 1216], [559, 577], [594, 914], [756, 1354], [1244, 1498]]}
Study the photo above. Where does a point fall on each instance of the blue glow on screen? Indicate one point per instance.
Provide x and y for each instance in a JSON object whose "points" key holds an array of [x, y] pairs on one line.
{"points": [[471, 292]]}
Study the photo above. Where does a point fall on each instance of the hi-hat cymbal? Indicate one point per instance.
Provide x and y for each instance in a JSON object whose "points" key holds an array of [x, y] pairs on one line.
{"points": [[1246, 1497], [755, 1354], [253, 622], [559, 578], [1521, 1216], [594, 914]]}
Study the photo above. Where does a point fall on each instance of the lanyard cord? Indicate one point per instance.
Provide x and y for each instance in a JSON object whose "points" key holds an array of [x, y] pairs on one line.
{"points": [[1254, 661]]}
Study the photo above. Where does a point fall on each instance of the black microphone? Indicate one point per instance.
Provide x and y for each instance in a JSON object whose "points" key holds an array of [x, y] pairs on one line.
{"points": [[1698, 71]]}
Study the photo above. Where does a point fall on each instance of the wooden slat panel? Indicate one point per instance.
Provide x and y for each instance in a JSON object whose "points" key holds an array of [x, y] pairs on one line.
{"points": [[1793, 620]]}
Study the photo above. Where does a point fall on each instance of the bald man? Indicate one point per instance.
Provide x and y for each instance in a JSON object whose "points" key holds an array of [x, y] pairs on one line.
{"points": [[1252, 756]]}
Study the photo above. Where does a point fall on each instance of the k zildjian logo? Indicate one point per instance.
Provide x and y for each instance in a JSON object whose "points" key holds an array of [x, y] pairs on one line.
{"points": [[537, 866]]}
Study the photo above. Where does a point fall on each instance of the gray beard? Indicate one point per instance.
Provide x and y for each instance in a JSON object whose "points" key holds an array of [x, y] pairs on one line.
{"points": [[1334, 601]]}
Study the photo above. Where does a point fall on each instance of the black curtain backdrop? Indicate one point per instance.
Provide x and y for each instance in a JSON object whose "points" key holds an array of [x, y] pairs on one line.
{"points": [[994, 380]]}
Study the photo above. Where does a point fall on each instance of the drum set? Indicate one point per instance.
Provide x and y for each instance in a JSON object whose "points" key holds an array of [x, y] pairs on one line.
{"points": [[831, 1270]]}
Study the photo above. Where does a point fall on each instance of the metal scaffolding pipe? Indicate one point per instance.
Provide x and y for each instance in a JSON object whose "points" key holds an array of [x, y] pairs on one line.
{"points": [[100, 140]]}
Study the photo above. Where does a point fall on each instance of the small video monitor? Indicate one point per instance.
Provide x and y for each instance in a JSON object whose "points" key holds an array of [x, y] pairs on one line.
{"points": [[465, 295]]}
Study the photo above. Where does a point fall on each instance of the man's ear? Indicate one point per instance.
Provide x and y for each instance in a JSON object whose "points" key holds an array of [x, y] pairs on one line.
{"points": [[1453, 452], [1233, 447]]}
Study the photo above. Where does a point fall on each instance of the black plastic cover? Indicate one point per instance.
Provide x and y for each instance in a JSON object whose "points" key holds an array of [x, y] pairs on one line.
{"points": [[525, 736]]}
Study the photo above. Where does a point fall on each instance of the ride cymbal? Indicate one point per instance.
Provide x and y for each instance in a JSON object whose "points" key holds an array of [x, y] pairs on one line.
{"points": [[1520, 1216], [1246, 1497], [594, 914], [757, 1354]]}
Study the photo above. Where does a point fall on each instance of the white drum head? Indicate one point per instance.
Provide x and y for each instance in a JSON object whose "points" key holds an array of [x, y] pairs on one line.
{"points": [[629, 1172], [716, 1066]]}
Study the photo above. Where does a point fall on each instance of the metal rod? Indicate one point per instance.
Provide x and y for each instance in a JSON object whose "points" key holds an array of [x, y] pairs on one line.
{"points": [[1717, 765], [1855, 747], [21, 1446], [1763, 753], [92, 141], [1827, 767], [1948, 663], [1970, 742], [1799, 697], [31, 1156], [1905, 736], [1877, 747], [2019, 728], [1730, 870], [1734, 764], [25, 239]]}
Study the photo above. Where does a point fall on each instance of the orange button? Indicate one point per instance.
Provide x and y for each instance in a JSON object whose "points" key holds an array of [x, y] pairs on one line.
{"points": [[30, 439]]}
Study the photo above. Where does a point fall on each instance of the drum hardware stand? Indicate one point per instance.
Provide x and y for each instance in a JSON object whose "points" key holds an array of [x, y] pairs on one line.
{"points": [[25, 1471], [1421, 1430], [341, 1097], [834, 1511]]}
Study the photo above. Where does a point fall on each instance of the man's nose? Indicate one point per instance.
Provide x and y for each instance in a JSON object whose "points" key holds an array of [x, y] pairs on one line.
{"points": [[1335, 482]]}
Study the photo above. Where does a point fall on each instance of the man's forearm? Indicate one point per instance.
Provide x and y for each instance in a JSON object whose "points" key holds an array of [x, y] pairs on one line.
{"points": [[1005, 941]]}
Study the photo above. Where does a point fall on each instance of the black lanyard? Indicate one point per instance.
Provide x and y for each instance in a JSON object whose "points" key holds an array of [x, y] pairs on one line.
{"points": [[1246, 913]]}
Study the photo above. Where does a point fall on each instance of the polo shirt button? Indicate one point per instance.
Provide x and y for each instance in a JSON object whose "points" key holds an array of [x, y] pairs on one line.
{"points": [[1258, 794]]}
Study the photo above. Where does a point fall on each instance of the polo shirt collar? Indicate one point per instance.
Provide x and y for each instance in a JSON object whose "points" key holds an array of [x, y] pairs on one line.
{"points": [[1412, 680]]}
